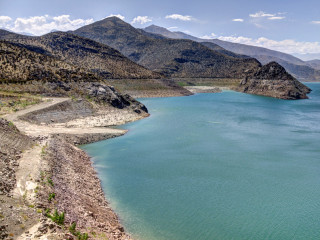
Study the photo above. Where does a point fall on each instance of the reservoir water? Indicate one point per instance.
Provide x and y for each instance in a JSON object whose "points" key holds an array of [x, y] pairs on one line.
{"points": [[217, 166]]}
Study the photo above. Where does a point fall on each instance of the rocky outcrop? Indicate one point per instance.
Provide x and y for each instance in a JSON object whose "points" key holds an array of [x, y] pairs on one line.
{"points": [[272, 80], [107, 94], [87, 99]]}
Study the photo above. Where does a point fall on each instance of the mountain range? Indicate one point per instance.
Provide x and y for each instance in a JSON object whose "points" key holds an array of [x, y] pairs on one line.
{"points": [[113, 49], [93, 56], [304, 71], [170, 57]]}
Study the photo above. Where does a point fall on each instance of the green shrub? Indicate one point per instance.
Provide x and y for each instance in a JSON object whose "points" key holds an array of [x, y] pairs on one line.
{"points": [[50, 181], [56, 217], [72, 228], [81, 236], [43, 150], [51, 196]]}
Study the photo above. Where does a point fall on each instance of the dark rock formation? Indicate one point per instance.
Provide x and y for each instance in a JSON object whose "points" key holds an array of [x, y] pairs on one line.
{"points": [[273, 80], [107, 94]]}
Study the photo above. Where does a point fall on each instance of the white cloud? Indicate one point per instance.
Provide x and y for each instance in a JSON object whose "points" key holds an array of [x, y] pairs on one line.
{"points": [[276, 18], [117, 15], [180, 17], [288, 46], [141, 19], [4, 20], [237, 20], [39, 25], [171, 28], [187, 32], [270, 16], [211, 36], [315, 22], [261, 14]]}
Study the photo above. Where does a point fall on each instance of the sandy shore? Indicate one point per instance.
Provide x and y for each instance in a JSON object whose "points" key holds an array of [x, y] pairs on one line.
{"points": [[206, 89]]}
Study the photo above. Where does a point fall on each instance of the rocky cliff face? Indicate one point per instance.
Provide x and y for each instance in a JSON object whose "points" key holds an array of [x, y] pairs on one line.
{"points": [[273, 80]]}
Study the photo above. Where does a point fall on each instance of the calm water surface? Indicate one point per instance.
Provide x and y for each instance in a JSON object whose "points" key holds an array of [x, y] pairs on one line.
{"points": [[217, 166]]}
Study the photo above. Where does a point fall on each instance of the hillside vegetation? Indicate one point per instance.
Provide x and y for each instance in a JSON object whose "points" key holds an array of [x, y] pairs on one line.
{"points": [[19, 65], [105, 61]]}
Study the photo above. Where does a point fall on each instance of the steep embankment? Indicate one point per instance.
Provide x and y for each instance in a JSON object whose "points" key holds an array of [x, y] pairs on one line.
{"points": [[272, 80], [14, 216], [12, 144]]}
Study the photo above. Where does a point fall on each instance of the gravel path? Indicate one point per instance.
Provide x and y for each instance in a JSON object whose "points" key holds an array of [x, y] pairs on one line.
{"points": [[34, 130]]}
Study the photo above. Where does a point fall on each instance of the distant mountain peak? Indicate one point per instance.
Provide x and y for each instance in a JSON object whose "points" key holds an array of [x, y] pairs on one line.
{"points": [[152, 26], [306, 71]]}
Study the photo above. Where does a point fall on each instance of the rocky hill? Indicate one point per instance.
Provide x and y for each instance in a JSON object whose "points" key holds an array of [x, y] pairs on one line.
{"points": [[314, 63], [105, 61], [302, 72], [295, 66], [22, 70], [219, 49], [274, 81], [20, 65], [174, 58]]}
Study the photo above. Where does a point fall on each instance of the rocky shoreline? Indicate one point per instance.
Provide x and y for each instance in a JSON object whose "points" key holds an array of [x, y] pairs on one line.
{"points": [[49, 173]]}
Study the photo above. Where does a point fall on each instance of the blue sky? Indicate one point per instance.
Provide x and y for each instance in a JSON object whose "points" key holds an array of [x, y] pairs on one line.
{"points": [[289, 26]]}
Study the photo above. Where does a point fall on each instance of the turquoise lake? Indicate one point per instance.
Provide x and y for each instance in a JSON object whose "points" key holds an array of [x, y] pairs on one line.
{"points": [[217, 166]]}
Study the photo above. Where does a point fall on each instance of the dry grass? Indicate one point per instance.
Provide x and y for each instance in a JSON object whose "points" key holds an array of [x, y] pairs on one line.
{"points": [[12, 102]]}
